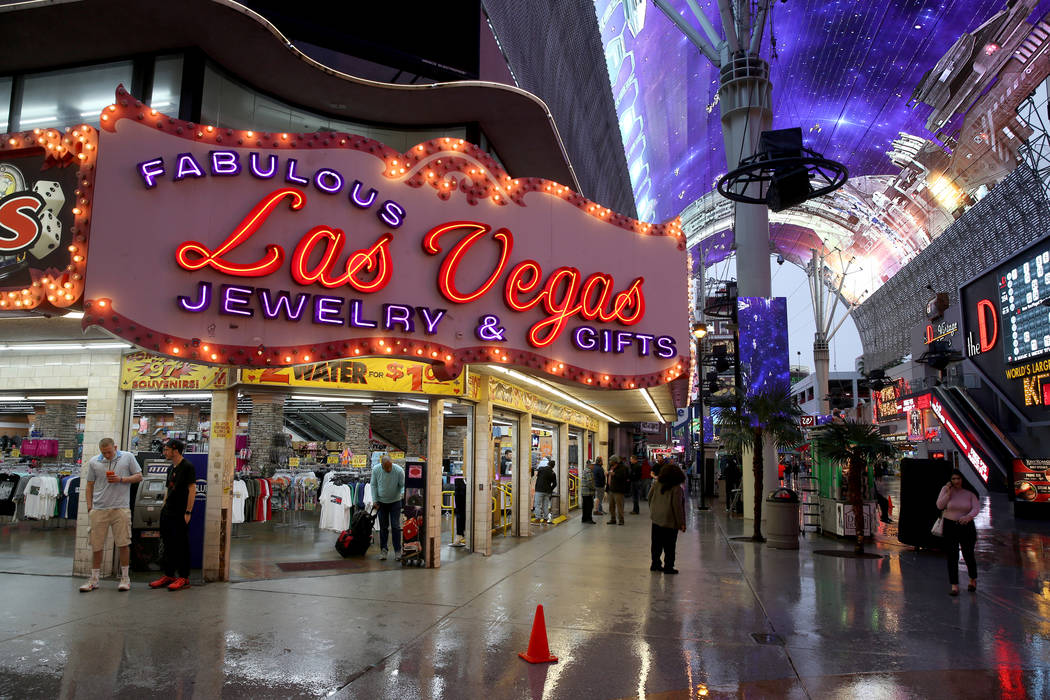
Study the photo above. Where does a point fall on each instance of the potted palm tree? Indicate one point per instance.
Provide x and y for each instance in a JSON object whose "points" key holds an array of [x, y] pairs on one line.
{"points": [[856, 446], [748, 418]]}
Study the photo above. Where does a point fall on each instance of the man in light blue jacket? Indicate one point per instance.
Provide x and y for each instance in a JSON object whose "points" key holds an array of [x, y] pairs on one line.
{"points": [[388, 491]]}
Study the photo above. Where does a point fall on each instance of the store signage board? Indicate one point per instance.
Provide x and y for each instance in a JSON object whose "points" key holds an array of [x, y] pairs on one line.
{"points": [[281, 249], [1006, 329], [144, 371], [505, 394], [1032, 480], [384, 374], [46, 180]]}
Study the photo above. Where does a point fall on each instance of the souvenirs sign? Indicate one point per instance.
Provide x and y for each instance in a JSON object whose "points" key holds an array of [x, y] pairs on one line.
{"points": [[279, 249], [144, 371]]}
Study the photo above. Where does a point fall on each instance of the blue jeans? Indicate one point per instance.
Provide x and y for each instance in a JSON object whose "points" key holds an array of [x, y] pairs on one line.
{"points": [[542, 505], [390, 519]]}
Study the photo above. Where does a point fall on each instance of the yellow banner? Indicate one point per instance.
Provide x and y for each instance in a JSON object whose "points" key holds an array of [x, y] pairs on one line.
{"points": [[368, 374], [145, 371], [359, 461], [503, 393]]}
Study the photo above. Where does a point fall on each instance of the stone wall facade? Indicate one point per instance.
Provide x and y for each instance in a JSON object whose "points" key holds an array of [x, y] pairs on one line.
{"points": [[267, 420], [358, 428]]}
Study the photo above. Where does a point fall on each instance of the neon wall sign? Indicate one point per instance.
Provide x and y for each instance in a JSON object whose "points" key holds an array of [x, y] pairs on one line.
{"points": [[283, 249], [960, 439]]}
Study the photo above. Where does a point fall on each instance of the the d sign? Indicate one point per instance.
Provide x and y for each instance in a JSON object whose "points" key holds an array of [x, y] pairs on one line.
{"points": [[989, 332]]}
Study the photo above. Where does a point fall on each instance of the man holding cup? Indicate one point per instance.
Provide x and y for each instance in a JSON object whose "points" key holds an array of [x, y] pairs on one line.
{"points": [[108, 497]]}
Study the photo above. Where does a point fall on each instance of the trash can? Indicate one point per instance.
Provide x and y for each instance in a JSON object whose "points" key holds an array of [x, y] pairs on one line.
{"points": [[782, 521]]}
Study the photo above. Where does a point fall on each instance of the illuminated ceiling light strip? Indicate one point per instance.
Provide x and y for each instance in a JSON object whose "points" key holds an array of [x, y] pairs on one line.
{"points": [[57, 347], [652, 405], [413, 406], [12, 399], [553, 390], [67, 397]]}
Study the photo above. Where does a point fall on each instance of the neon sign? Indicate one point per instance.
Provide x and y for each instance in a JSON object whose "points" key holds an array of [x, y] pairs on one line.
{"points": [[311, 247], [979, 465]]}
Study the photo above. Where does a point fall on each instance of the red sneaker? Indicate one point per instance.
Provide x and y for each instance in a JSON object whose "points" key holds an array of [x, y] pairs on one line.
{"points": [[179, 583], [161, 582]]}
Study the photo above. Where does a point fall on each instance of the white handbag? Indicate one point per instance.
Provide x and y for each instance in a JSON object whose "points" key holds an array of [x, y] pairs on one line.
{"points": [[938, 527]]}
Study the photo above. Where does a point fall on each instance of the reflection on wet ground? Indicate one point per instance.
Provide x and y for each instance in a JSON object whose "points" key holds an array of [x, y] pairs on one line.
{"points": [[844, 628]]}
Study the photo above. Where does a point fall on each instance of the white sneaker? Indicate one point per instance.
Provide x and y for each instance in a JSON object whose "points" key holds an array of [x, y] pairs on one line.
{"points": [[92, 584], [397, 555], [384, 554], [125, 584]]}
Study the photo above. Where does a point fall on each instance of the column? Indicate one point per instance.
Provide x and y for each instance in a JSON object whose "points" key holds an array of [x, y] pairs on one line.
{"points": [[601, 443], [416, 425], [358, 428], [106, 413], [59, 421], [523, 478], [480, 484], [563, 469], [187, 418], [222, 462], [267, 420], [436, 430]]}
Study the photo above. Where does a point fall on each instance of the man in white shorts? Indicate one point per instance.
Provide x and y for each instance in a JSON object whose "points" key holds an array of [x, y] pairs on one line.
{"points": [[108, 497]]}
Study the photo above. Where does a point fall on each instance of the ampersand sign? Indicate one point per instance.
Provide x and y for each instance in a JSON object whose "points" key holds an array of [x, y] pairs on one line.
{"points": [[489, 328]]}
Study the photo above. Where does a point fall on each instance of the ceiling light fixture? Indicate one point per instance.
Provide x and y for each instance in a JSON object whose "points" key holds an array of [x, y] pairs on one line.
{"points": [[652, 405]]}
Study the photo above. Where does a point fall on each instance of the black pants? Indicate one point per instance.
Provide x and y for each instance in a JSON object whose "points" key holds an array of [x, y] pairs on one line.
{"points": [[460, 503], [956, 536], [587, 507], [636, 490], [664, 541], [884, 505], [175, 535]]}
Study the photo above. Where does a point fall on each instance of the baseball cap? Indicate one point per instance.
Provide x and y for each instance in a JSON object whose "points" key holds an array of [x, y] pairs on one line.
{"points": [[175, 444]]}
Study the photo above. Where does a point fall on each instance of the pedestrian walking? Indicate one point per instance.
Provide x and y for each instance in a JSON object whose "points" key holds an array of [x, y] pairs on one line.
{"points": [[635, 474], [175, 518], [599, 487], [667, 511], [108, 496], [960, 504], [619, 483], [587, 493]]}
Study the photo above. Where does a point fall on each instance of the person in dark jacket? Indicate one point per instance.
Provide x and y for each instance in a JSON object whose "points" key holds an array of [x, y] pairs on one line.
{"points": [[635, 472], [619, 483], [599, 486], [667, 511], [546, 483]]}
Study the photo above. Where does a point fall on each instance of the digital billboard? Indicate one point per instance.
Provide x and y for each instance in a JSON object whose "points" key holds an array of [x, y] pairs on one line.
{"points": [[1006, 329], [764, 353]]}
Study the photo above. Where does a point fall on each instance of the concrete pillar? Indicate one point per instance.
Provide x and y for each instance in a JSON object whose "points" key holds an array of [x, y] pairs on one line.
{"points": [[523, 478], [108, 415], [436, 430], [480, 486], [563, 469], [416, 432], [59, 421], [821, 365], [222, 462], [358, 428], [601, 443], [187, 418], [267, 420]]}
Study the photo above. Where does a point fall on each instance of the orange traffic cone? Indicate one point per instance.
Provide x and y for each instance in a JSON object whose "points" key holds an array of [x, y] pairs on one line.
{"points": [[539, 652]]}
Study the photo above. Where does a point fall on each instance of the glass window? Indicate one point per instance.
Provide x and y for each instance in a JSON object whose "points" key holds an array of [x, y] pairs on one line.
{"points": [[5, 103], [68, 97], [231, 105], [167, 85]]}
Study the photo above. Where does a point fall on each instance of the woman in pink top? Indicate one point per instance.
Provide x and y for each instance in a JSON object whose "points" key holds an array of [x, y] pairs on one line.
{"points": [[960, 505]]}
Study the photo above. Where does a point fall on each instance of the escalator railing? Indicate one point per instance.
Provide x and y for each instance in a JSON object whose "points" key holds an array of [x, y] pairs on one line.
{"points": [[987, 450]]}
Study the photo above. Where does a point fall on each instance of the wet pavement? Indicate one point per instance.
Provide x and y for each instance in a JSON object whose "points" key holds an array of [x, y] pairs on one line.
{"points": [[740, 620]]}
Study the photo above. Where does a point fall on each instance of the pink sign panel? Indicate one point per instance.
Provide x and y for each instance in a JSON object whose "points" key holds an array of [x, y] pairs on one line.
{"points": [[271, 249]]}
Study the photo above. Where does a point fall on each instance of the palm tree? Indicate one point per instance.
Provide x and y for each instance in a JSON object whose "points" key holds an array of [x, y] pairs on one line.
{"points": [[857, 446], [747, 419]]}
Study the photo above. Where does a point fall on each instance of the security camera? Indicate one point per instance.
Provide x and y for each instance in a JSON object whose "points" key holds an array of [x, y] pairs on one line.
{"points": [[780, 260]]}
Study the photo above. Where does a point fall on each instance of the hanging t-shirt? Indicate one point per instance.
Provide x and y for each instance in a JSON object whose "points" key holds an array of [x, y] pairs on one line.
{"points": [[239, 496]]}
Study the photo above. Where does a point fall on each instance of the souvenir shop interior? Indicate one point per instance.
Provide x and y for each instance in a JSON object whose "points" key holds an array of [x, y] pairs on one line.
{"points": [[296, 486]]}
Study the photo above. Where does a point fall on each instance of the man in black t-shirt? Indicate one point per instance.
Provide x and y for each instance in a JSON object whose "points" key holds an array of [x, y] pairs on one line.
{"points": [[175, 518]]}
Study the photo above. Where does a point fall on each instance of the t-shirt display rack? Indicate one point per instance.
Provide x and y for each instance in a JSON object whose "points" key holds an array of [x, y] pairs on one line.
{"points": [[46, 494], [343, 493]]}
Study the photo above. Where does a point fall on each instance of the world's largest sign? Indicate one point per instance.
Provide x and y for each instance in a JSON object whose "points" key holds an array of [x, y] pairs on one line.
{"points": [[271, 249]]}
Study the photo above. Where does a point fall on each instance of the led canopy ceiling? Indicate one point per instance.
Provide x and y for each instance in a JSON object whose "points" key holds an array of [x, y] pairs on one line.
{"points": [[918, 99]]}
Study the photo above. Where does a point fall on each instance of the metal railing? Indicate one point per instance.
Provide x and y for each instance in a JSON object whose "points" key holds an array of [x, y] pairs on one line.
{"points": [[574, 491], [502, 517]]}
